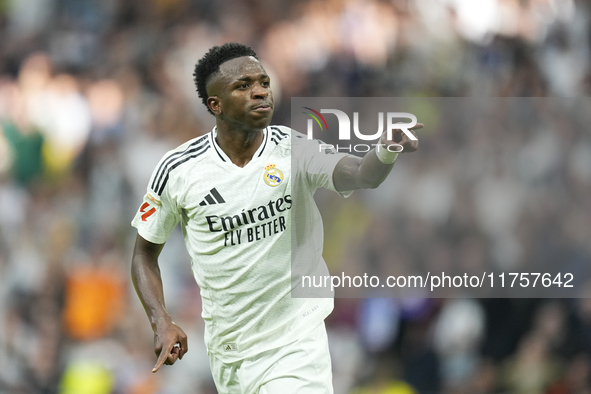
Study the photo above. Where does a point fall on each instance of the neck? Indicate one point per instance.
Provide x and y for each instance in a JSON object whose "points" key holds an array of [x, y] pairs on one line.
{"points": [[238, 145]]}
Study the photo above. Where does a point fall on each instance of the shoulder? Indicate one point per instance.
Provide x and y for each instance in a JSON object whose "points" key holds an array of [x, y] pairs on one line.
{"points": [[187, 148], [300, 143], [286, 131], [287, 136], [190, 151], [280, 134]]}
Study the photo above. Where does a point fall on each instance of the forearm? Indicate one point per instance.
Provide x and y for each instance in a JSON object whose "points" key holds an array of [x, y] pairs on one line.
{"points": [[367, 172], [372, 172], [147, 281]]}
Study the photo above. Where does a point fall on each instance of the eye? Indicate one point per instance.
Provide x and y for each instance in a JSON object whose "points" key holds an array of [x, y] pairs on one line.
{"points": [[244, 85], [266, 84]]}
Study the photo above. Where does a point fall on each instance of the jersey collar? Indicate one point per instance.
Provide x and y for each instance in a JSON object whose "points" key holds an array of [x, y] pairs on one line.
{"points": [[222, 155]]}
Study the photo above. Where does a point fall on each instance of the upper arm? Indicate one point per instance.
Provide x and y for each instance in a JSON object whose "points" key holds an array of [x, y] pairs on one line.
{"points": [[147, 249], [318, 163]]}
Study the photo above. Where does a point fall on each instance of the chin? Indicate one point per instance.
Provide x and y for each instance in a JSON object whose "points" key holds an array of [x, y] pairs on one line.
{"points": [[262, 123]]}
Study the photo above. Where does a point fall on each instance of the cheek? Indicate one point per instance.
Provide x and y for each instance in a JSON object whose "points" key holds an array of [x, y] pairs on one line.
{"points": [[236, 103]]}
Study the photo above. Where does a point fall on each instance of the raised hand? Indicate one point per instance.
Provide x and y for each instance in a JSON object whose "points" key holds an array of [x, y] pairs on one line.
{"points": [[400, 138]]}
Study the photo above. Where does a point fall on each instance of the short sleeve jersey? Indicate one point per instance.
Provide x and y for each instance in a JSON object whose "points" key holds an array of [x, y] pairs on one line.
{"points": [[236, 223]]}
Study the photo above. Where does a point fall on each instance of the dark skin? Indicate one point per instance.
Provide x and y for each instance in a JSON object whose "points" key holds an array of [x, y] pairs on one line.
{"points": [[241, 99], [147, 281]]}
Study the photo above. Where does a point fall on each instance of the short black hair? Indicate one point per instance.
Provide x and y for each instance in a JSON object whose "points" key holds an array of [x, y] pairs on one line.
{"points": [[210, 63]]}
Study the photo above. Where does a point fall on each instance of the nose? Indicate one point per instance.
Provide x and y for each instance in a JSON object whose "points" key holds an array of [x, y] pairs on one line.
{"points": [[258, 91]]}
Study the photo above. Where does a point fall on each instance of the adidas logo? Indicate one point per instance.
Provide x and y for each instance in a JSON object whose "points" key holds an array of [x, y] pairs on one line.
{"points": [[230, 347], [214, 197]]}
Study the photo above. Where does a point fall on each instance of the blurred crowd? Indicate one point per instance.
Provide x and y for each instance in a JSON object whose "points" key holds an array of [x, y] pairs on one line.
{"points": [[93, 93]]}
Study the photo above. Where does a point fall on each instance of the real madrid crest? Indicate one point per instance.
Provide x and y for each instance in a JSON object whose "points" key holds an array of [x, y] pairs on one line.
{"points": [[273, 175]]}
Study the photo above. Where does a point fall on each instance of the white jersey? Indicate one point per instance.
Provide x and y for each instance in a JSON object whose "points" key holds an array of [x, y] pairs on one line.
{"points": [[236, 223]]}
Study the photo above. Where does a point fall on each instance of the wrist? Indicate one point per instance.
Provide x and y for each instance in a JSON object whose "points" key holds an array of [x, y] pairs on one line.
{"points": [[158, 321], [388, 154]]}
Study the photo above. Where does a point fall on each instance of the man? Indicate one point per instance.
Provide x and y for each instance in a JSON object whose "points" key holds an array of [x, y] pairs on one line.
{"points": [[231, 190]]}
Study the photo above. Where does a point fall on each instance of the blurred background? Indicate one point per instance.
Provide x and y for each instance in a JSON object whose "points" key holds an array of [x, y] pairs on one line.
{"points": [[93, 93]]}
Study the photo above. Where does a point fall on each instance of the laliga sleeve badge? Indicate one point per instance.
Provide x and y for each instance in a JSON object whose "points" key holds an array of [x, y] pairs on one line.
{"points": [[153, 199], [273, 175], [146, 213]]}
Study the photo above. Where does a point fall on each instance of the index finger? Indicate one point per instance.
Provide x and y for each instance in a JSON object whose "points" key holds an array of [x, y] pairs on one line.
{"points": [[162, 358], [417, 126]]}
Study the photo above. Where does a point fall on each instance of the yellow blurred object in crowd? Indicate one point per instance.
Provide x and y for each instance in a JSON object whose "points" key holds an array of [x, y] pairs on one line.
{"points": [[57, 159], [392, 387], [86, 378]]}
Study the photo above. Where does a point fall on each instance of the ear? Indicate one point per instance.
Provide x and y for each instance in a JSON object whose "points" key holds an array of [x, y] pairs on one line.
{"points": [[214, 103]]}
